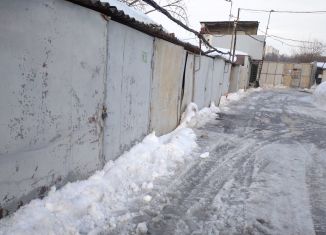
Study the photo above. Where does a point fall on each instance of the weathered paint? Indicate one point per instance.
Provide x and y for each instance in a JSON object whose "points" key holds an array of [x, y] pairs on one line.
{"points": [[168, 68], [209, 83], [63, 73], [234, 79], [272, 67], [244, 75], [52, 65], [278, 76], [128, 88], [203, 80], [188, 82], [226, 78], [218, 74]]}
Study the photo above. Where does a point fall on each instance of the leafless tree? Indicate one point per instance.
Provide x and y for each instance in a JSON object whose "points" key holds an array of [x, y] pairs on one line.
{"points": [[177, 8], [309, 52]]}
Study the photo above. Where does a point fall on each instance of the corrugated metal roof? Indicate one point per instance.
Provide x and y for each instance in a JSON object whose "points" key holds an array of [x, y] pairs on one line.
{"points": [[120, 16]]}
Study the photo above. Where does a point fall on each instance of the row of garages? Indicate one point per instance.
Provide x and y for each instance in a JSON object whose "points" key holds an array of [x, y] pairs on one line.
{"points": [[78, 90]]}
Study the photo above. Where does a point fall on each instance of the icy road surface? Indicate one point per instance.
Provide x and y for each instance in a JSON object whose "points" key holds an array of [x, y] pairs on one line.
{"points": [[265, 173], [259, 167]]}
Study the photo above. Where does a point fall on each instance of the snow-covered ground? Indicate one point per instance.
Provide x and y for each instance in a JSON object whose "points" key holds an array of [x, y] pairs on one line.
{"points": [[320, 95], [265, 172], [255, 165]]}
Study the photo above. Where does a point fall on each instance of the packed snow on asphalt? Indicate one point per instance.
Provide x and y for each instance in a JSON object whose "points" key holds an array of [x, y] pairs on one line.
{"points": [[255, 165]]}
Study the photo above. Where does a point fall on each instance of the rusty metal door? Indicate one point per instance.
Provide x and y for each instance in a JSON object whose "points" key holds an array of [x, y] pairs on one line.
{"points": [[296, 77]]}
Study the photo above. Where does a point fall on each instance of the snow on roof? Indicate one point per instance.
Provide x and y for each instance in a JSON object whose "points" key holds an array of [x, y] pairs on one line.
{"points": [[226, 56], [321, 65], [132, 12]]}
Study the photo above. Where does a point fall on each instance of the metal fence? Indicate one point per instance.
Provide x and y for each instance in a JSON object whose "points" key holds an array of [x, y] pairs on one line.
{"points": [[287, 74]]}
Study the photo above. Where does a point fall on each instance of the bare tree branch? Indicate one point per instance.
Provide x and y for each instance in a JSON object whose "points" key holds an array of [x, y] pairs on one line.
{"points": [[176, 7]]}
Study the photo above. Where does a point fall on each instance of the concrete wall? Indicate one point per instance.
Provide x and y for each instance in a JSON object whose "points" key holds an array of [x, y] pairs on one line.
{"points": [[287, 74], [246, 44], [52, 79], [168, 68], [129, 75], [78, 90]]}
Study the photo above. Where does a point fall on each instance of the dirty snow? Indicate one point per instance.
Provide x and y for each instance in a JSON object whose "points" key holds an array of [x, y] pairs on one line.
{"points": [[236, 96], [320, 95], [252, 166], [100, 202], [204, 155], [265, 173]]}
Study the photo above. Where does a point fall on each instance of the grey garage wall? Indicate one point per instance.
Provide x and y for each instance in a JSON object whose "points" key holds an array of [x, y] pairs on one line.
{"points": [[188, 86], [168, 68], [226, 78], [218, 76], [235, 78], [52, 72], [128, 88], [203, 78], [63, 67]]}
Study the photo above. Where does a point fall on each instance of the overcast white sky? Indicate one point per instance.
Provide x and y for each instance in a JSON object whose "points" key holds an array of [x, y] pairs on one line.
{"points": [[296, 26]]}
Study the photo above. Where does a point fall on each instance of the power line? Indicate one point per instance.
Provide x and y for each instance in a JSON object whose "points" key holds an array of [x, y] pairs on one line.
{"points": [[280, 39], [244, 30], [282, 11], [288, 39], [291, 45], [167, 14]]}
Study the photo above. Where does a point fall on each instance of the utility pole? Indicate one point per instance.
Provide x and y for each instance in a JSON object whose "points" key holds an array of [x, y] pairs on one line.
{"points": [[235, 35], [230, 25], [264, 46], [230, 15]]}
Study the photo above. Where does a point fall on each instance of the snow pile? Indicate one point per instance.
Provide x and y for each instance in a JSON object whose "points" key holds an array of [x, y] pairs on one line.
{"points": [[133, 13], [201, 117], [232, 97], [321, 65], [320, 95], [204, 155], [100, 202]]}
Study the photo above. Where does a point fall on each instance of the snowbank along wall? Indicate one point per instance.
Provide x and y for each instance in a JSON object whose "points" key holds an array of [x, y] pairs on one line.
{"points": [[78, 90]]}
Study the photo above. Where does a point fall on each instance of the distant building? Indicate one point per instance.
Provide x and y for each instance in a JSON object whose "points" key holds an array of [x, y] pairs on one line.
{"points": [[271, 51], [221, 33]]}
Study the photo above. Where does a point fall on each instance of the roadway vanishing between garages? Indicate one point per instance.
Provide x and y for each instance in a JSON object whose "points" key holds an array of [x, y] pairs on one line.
{"points": [[266, 173]]}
